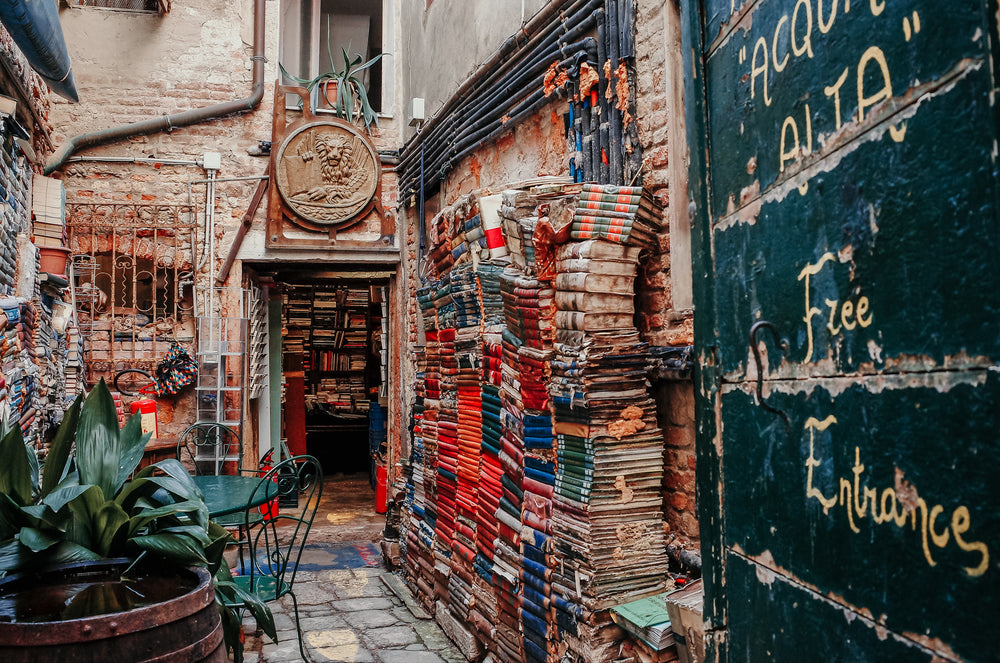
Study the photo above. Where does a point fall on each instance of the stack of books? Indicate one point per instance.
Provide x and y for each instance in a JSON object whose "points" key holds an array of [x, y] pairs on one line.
{"points": [[48, 205], [594, 288], [517, 206], [647, 620], [623, 214], [468, 357]]}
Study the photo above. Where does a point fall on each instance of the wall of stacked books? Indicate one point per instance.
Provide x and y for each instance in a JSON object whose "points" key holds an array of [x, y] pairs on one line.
{"points": [[533, 490], [334, 331], [39, 348]]}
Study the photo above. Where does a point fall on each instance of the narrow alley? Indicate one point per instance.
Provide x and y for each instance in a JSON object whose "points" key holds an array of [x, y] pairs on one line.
{"points": [[352, 608]]}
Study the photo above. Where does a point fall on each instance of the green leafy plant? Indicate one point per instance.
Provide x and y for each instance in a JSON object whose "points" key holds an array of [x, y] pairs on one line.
{"points": [[88, 502], [351, 98]]}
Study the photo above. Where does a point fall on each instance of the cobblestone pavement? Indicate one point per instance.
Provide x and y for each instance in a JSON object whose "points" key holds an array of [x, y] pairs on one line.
{"points": [[351, 610], [351, 615]]}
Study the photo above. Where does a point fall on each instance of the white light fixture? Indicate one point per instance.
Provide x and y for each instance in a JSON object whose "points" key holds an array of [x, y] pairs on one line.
{"points": [[417, 115]]}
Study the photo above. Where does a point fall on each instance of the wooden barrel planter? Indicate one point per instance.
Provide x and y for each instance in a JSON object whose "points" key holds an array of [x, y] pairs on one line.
{"points": [[182, 628]]}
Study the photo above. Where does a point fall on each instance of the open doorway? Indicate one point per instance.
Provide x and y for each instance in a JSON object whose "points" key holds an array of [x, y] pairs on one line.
{"points": [[334, 355]]}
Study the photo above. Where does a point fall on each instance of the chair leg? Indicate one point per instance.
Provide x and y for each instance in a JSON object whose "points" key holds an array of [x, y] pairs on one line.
{"points": [[298, 626], [239, 547]]}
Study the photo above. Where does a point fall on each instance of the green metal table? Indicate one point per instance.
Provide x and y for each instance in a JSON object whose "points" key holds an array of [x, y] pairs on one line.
{"points": [[226, 494]]}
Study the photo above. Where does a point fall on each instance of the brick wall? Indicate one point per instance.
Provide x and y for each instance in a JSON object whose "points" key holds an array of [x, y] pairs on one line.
{"points": [[660, 321]]}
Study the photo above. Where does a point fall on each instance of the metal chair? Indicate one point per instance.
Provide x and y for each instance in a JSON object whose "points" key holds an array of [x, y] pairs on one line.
{"points": [[208, 446], [276, 542]]}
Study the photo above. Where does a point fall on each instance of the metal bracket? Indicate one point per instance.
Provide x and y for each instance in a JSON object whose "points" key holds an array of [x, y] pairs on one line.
{"points": [[781, 343]]}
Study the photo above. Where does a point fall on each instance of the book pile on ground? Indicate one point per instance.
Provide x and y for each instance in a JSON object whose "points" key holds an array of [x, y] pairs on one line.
{"points": [[447, 440], [416, 546], [622, 214], [647, 620], [607, 509], [468, 355], [607, 520]]}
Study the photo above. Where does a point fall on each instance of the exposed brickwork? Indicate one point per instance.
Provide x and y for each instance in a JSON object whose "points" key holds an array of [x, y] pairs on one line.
{"points": [[661, 323], [132, 67]]}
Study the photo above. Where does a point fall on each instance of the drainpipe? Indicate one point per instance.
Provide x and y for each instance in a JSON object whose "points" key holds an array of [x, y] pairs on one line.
{"points": [[182, 119]]}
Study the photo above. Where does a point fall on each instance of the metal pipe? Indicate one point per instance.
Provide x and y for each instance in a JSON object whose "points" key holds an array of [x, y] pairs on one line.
{"points": [[436, 130], [162, 162], [615, 121], [529, 105], [182, 119], [529, 80], [603, 109], [247, 178], [580, 47]]}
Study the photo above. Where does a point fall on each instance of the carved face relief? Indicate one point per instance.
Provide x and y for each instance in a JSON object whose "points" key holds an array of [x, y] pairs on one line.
{"points": [[327, 173]]}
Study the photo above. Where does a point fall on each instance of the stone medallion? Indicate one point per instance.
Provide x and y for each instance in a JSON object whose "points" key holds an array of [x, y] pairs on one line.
{"points": [[327, 173]]}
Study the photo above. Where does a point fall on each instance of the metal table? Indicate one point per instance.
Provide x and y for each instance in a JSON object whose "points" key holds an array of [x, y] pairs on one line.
{"points": [[225, 494]]}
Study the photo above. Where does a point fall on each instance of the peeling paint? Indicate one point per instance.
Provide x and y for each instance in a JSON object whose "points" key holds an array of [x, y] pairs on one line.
{"points": [[768, 571], [834, 147], [882, 366], [940, 381]]}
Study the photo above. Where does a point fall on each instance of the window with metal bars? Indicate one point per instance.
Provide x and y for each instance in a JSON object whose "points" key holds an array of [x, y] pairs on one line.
{"points": [[144, 6], [133, 282]]}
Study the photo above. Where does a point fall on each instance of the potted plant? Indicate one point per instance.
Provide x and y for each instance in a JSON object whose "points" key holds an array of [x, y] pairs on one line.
{"points": [[87, 504], [342, 88]]}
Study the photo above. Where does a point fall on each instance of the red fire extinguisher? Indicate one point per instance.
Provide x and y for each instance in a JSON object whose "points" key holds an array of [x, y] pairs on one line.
{"points": [[269, 509], [146, 408]]}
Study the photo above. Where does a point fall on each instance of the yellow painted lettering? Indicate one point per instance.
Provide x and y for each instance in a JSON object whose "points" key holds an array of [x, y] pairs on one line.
{"points": [[778, 66], [788, 154], [824, 28], [892, 513], [806, 47], [845, 488], [811, 311], [885, 92], [832, 305], [871, 497], [960, 521], [812, 425], [877, 7], [834, 91], [862, 309], [846, 311], [924, 525], [809, 131], [940, 540], [755, 69], [859, 507]]}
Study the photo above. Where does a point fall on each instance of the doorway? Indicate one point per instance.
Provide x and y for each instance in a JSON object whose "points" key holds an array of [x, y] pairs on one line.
{"points": [[334, 355]]}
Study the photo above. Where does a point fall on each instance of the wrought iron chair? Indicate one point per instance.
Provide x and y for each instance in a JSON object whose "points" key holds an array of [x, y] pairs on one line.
{"points": [[276, 542], [207, 447]]}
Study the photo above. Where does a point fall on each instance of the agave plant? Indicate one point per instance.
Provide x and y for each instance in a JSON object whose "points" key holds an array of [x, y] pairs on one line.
{"points": [[88, 502], [351, 99]]}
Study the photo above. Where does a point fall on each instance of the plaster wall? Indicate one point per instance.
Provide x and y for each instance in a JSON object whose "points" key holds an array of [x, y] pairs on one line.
{"points": [[444, 41]]}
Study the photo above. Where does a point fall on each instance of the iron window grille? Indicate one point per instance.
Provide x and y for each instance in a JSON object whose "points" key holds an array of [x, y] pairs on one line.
{"points": [[160, 7], [134, 281]]}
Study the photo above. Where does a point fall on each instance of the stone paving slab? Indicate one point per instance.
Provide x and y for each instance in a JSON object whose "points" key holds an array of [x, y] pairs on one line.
{"points": [[350, 615]]}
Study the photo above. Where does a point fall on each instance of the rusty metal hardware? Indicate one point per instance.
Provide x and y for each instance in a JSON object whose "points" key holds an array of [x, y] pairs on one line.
{"points": [[781, 343]]}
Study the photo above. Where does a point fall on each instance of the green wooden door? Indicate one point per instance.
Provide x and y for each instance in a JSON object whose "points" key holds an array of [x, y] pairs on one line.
{"points": [[844, 194]]}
